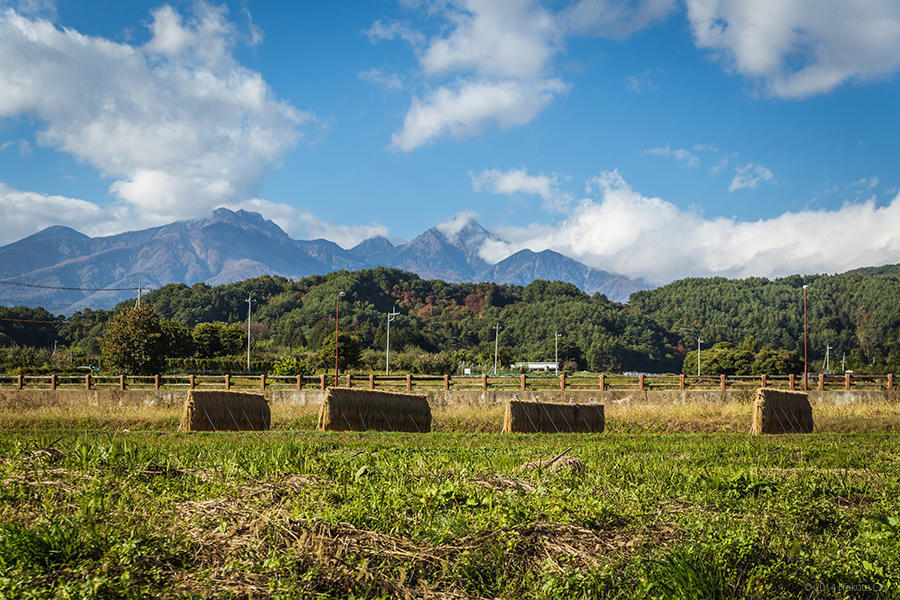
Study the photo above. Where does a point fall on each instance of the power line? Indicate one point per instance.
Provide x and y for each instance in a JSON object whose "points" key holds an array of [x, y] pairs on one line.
{"points": [[52, 322], [72, 289]]}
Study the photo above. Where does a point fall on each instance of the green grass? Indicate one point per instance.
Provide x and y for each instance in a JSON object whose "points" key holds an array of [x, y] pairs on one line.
{"points": [[108, 513]]}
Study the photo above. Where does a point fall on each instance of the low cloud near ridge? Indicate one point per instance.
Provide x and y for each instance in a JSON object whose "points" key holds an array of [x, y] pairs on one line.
{"points": [[617, 229]]}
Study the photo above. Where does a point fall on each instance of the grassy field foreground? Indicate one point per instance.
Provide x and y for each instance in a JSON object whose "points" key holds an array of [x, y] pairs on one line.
{"points": [[110, 513]]}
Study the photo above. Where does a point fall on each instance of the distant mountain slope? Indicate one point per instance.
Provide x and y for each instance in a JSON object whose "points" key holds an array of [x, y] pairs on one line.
{"points": [[232, 246], [525, 266]]}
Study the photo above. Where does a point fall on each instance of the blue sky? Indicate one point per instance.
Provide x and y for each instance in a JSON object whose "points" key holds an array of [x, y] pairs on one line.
{"points": [[656, 138]]}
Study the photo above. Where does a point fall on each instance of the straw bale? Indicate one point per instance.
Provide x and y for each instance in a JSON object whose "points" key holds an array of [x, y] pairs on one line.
{"points": [[225, 411], [347, 409], [781, 411], [553, 417]]}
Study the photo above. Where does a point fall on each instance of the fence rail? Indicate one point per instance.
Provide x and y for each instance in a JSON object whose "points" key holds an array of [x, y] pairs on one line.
{"points": [[611, 382]]}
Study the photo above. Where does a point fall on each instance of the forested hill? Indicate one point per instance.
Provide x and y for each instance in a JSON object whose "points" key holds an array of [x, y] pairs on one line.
{"points": [[858, 309], [857, 313]]}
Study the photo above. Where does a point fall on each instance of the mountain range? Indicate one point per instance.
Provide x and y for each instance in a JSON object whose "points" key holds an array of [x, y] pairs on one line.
{"points": [[235, 245]]}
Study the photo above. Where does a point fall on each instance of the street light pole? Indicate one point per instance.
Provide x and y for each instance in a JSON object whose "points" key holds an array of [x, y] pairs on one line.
{"points": [[337, 329], [496, 346], [827, 357], [698, 356], [387, 357], [805, 368]]}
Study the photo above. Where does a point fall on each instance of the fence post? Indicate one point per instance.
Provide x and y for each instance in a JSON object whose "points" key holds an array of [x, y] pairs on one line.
{"points": [[191, 381], [446, 381], [87, 381], [522, 382], [484, 381], [641, 382], [562, 381], [681, 382], [371, 381], [408, 382], [53, 381], [602, 381], [722, 382], [227, 381], [763, 382], [262, 382], [19, 381], [122, 383], [821, 381], [791, 381], [322, 381], [299, 381], [847, 378], [156, 382], [349, 382], [890, 381]]}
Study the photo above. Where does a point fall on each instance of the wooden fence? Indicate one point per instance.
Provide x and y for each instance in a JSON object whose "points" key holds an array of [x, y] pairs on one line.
{"points": [[445, 382]]}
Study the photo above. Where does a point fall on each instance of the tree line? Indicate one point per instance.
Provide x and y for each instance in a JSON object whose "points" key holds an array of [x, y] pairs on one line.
{"points": [[749, 325]]}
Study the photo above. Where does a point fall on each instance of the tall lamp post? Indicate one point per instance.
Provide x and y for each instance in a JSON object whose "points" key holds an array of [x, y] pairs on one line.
{"points": [[698, 357], [497, 329], [249, 305], [337, 328], [387, 357], [805, 369]]}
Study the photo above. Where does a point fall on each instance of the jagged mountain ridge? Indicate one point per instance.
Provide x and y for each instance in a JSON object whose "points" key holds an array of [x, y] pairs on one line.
{"points": [[234, 245]]}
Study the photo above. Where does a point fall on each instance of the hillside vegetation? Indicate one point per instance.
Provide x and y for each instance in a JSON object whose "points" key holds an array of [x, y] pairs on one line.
{"points": [[756, 324]]}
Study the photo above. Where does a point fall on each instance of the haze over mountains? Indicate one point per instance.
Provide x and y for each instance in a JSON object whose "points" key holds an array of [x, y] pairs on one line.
{"points": [[231, 246]]}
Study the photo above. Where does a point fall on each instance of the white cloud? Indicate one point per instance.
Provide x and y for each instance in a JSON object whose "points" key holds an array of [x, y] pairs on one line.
{"points": [[518, 181], [749, 176], [301, 224], [467, 108], [33, 8], [509, 39], [391, 82], [451, 228], [394, 30], [799, 48], [616, 18], [679, 154], [178, 124], [625, 232], [25, 213]]}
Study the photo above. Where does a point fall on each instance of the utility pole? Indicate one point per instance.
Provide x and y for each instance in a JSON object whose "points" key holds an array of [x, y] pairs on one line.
{"points": [[387, 357], [337, 329], [844, 362], [805, 368], [556, 349], [249, 305], [698, 356], [140, 289], [827, 357], [496, 342]]}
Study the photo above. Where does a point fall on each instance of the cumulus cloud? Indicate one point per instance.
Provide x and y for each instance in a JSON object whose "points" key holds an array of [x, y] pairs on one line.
{"points": [[27, 212], [749, 176], [620, 230], [679, 154], [518, 181], [799, 48], [452, 227], [177, 124], [391, 82], [500, 58], [468, 107]]}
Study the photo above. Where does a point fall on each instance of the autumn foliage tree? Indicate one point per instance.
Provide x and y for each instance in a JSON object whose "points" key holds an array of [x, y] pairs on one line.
{"points": [[134, 342]]}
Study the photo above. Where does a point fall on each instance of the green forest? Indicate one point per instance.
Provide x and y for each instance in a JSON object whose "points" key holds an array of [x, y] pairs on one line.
{"points": [[748, 326]]}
